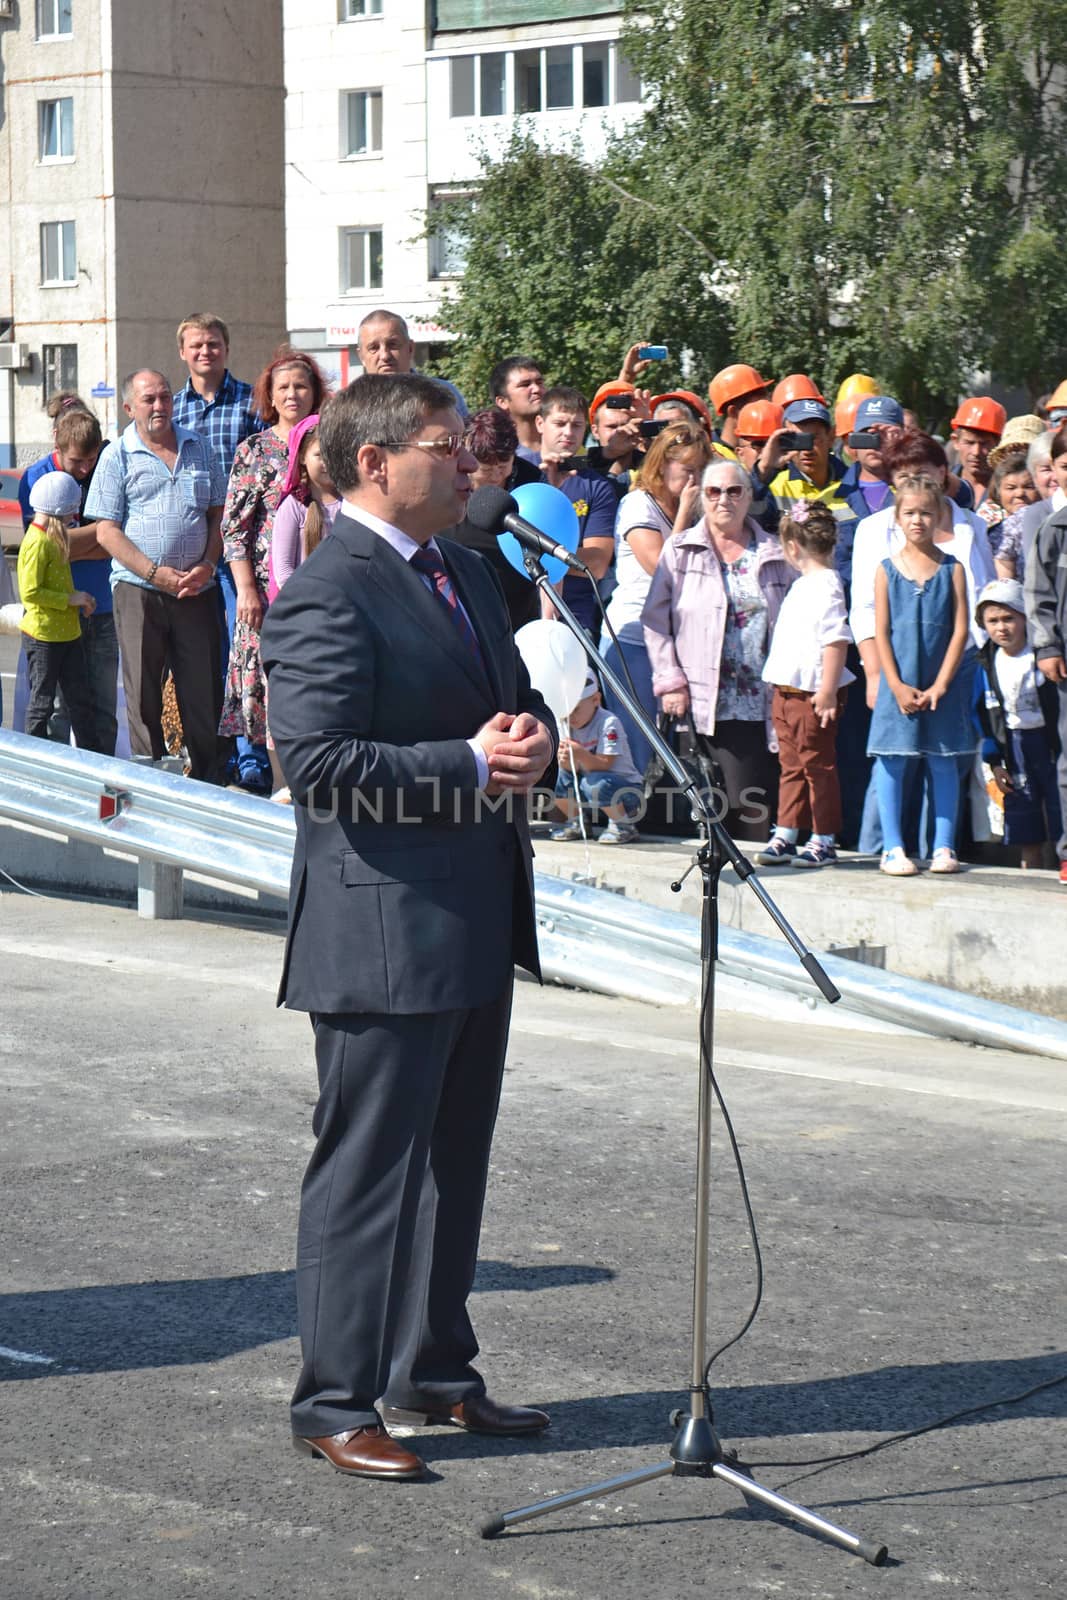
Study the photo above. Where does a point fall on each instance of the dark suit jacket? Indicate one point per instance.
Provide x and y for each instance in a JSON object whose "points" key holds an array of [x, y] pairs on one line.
{"points": [[411, 890]]}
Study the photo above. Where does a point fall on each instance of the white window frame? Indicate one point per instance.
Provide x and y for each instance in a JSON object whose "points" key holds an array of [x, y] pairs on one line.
{"points": [[370, 151], [437, 270], [50, 11], [360, 10], [54, 380], [61, 254], [612, 46], [367, 231], [43, 156]]}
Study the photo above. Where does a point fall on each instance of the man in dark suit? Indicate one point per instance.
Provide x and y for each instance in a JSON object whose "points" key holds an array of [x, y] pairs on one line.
{"points": [[409, 736]]}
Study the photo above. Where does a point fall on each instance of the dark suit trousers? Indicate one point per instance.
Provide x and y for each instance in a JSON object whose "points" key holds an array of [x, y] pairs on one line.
{"points": [[157, 630], [391, 1210]]}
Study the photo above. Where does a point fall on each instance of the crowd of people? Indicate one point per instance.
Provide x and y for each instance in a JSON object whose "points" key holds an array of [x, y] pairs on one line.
{"points": [[855, 628]]}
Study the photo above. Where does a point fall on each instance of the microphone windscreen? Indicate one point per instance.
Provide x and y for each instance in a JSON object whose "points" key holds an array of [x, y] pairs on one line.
{"points": [[487, 508]]}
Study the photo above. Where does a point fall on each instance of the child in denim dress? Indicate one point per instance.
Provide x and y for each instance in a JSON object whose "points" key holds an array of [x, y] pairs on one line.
{"points": [[922, 710]]}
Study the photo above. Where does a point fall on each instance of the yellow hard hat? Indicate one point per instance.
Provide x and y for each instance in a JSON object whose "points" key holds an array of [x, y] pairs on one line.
{"points": [[858, 384], [1057, 400]]}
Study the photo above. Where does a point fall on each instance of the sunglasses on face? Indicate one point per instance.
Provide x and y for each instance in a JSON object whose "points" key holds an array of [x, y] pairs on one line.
{"points": [[732, 491], [450, 445]]}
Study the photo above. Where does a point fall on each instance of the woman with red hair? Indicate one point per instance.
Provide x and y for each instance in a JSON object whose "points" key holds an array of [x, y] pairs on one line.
{"points": [[290, 387]]}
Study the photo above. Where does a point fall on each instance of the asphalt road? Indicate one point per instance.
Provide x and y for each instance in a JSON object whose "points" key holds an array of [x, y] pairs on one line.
{"points": [[910, 1200]]}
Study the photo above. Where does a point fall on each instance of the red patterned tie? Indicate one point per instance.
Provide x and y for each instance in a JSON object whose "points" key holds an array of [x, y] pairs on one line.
{"points": [[431, 566]]}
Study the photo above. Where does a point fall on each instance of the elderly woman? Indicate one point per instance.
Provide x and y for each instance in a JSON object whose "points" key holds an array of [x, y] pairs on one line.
{"points": [[492, 441], [708, 622], [289, 388], [1019, 528]]}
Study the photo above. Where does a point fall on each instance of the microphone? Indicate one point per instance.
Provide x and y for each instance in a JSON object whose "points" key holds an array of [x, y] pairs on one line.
{"points": [[494, 511]]}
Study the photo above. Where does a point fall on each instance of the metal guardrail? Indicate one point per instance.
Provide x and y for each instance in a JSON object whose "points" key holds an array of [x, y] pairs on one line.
{"points": [[169, 823], [590, 938]]}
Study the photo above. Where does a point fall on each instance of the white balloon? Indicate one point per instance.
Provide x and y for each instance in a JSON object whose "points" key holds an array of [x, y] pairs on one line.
{"points": [[556, 663]]}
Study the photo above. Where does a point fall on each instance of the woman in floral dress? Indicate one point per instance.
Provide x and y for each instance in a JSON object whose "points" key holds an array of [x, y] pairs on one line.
{"points": [[289, 389], [708, 620]]}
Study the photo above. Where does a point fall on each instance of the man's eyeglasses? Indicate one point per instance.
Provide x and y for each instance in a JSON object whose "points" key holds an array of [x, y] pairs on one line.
{"points": [[450, 445], [732, 491]]}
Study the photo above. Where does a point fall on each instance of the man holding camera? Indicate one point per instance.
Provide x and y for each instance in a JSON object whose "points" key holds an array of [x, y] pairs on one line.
{"points": [[616, 420]]}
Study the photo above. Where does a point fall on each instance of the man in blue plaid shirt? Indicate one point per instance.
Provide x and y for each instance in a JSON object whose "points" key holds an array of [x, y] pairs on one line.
{"points": [[213, 403], [218, 407]]}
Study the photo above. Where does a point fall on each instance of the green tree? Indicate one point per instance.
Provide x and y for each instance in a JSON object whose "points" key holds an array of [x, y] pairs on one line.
{"points": [[884, 185], [568, 264]]}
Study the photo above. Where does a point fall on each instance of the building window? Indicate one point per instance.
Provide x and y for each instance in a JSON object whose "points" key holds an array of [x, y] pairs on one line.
{"points": [[492, 80], [596, 74], [361, 122], [555, 78], [60, 363], [59, 253], [559, 78], [55, 130], [361, 259], [461, 101], [355, 10], [448, 244], [54, 19], [627, 83], [527, 80]]}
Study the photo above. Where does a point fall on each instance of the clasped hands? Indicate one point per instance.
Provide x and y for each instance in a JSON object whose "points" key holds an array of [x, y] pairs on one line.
{"points": [[910, 700], [183, 585], [518, 750]]}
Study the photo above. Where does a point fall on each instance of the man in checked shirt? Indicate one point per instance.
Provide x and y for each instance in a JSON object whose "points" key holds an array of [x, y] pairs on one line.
{"points": [[157, 498]]}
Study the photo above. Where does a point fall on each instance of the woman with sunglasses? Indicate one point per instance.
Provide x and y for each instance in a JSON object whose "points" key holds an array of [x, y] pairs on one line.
{"points": [[708, 623], [492, 441]]}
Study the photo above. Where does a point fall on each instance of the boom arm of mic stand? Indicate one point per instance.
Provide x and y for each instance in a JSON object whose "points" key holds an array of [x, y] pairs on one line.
{"points": [[685, 781]]}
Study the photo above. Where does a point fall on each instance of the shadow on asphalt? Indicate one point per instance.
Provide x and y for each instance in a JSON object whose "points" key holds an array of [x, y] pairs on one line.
{"points": [[124, 1327], [117, 1327]]}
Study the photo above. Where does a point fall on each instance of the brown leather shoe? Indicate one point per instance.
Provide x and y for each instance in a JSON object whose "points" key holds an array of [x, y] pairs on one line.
{"points": [[477, 1414], [368, 1452]]}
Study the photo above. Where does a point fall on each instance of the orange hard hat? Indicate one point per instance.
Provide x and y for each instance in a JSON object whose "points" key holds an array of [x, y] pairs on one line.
{"points": [[685, 397], [733, 383], [615, 387], [1057, 400], [845, 413], [759, 419], [798, 386], [980, 413], [856, 386]]}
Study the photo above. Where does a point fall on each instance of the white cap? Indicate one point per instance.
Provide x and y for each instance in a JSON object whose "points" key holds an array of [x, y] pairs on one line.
{"points": [[591, 686], [1001, 592], [56, 494]]}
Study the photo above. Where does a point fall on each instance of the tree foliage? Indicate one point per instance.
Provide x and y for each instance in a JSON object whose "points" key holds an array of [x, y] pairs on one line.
{"points": [[564, 265], [893, 178], [812, 187]]}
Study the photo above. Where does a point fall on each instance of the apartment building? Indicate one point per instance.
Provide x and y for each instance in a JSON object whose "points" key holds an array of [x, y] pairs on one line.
{"points": [[389, 106], [141, 177]]}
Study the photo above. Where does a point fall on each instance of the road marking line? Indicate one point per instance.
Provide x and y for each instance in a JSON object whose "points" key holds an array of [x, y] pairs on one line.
{"points": [[860, 1076], [25, 1355]]}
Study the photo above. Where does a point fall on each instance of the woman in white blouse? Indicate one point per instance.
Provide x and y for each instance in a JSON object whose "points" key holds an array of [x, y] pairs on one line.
{"points": [[665, 501]]}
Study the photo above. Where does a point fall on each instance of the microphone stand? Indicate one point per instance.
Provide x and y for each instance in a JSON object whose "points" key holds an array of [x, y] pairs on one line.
{"points": [[696, 1450]]}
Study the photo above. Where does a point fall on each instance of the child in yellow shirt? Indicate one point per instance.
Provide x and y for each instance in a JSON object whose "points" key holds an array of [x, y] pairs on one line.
{"points": [[51, 627]]}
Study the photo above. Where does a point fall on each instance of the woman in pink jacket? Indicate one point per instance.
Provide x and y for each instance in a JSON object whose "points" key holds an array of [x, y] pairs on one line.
{"points": [[708, 621]]}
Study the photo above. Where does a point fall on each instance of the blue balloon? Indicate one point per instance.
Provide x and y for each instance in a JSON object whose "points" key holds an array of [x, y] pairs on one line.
{"points": [[550, 510]]}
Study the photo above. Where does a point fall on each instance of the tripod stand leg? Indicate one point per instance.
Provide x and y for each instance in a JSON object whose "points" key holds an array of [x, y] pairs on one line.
{"points": [[593, 1491], [874, 1553]]}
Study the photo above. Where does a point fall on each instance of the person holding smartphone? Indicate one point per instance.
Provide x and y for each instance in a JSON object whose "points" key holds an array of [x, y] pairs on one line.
{"points": [[616, 415]]}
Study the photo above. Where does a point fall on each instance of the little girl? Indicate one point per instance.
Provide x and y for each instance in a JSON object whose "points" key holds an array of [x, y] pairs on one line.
{"points": [[305, 513], [52, 634], [920, 602], [307, 508], [806, 664]]}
